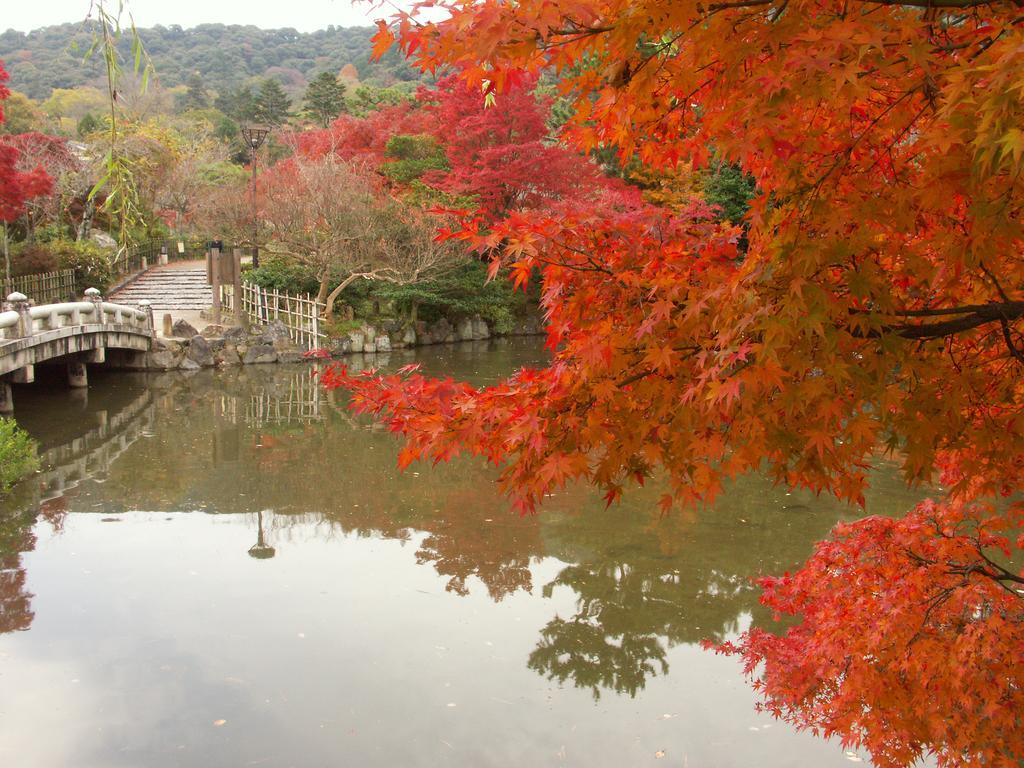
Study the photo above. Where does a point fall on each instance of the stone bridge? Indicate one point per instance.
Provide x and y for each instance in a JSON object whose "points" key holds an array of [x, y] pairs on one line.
{"points": [[73, 333]]}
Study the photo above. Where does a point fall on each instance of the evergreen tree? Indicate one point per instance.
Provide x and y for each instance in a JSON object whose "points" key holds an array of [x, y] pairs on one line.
{"points": [[239, 104], [196, 96], [88, 124], [729, 188], [325, 98], [272, 103]]}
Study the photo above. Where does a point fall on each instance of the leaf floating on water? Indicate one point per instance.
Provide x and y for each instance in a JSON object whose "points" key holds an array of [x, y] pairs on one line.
{"points": [[451, 704], [852, 757], [659, 754], [219, 723]]}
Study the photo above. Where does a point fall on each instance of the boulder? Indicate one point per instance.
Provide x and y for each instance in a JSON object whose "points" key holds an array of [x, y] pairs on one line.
{"points": [[183, 329], [284, 345], [235, 333], [260, 353], [199, 352], [228, 355], [357, 340], [161, 360], [217, 343], [340, 347], [188, 364], [527, 326], [442, 331], [383, 343], [166, 345], [464, 330], [290, 356], [409, 337], [369, 334], [274, 331], [480, 329], [212, 330], [102, 239]]}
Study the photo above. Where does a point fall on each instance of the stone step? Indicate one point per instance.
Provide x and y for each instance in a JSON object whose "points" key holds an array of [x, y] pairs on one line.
{"points": [[169, 289]]}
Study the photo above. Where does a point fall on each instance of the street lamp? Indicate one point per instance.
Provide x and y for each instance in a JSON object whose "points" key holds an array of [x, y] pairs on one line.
{"points": [[254, 136]]}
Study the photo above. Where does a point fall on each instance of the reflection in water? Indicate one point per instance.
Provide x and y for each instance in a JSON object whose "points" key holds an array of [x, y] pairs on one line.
{"points": [[617, 591], [261, 550]]}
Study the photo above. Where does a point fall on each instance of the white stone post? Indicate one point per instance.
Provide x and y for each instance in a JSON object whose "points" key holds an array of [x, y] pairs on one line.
{"points": [[94, 295], [19, 303], [147, 307]]}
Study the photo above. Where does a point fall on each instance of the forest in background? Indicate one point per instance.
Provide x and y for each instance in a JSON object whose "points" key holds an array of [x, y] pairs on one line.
{"points": [[224, 56]]}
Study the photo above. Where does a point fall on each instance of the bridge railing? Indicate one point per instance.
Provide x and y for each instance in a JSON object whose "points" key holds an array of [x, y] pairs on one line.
{"points": [[20, 320]]}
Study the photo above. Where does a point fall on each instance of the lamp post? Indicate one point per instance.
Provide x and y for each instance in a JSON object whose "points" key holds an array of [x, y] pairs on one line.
{"points": [[254, 136]]}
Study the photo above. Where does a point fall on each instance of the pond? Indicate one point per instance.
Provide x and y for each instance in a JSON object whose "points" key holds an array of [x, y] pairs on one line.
{"points": [[227, 569]]}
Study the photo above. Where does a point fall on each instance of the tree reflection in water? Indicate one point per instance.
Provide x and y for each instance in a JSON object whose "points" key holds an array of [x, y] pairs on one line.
{"points": [[640, 583]]}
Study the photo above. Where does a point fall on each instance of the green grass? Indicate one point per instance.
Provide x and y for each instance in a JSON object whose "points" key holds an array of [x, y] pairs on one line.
{"points": [[17, 454]]}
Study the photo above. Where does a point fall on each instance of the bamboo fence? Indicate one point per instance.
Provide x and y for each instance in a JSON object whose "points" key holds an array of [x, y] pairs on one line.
{"points": [[300, 313], [44, 287]]}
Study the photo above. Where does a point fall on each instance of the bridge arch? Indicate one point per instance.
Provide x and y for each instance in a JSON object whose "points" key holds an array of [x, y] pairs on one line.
{"points": [[74, 332]]}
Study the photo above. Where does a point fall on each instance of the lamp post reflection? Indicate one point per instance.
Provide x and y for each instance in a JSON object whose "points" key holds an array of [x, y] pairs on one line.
{"points": [[261, 550]]}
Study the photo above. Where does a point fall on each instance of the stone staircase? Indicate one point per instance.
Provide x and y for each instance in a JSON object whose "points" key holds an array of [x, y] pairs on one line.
{"points": [[179, 287]]}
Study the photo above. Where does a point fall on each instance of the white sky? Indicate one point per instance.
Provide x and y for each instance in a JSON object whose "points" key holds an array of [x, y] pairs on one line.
{"points": [[303, 15]]}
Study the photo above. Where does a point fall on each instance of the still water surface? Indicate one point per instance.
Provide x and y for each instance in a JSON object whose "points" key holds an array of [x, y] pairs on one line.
{"points": [[379, 618]]}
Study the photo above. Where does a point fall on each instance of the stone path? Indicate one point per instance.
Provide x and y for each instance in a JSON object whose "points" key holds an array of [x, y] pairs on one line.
{"points": [[177, 289], [174, 288]]}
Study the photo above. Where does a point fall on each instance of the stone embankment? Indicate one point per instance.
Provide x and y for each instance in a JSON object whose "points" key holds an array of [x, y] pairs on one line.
{"points": [[187, 349]]}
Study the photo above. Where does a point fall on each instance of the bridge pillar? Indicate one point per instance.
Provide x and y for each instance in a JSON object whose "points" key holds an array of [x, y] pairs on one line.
{"points": [[77, 375], [24, 375], [6, 399]]}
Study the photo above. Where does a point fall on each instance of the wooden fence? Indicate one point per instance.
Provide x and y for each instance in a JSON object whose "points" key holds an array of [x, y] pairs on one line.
{"points": [[301, 313], [44, 287]]}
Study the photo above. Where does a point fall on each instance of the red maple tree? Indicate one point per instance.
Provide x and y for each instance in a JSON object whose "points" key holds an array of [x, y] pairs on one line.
{"points": [[499, 154], [877, 307], [16, 186]]}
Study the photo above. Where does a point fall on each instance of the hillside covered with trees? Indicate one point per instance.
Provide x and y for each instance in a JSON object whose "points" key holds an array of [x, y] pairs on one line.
{"points": [[224, 56]]}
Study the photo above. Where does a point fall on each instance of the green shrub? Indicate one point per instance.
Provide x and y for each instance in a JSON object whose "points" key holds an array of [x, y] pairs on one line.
{"points": [[282, 274], [17, 454], [409, 157], [460, 292], [32, 258], [91, 263]]}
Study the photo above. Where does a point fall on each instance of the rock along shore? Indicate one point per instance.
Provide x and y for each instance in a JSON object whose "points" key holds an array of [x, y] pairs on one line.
{"points": [[187, 349]]}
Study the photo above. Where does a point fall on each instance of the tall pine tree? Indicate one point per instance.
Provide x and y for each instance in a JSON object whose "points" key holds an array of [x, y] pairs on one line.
{"points": [[196, 96], [325, 98], [272, 104]]}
